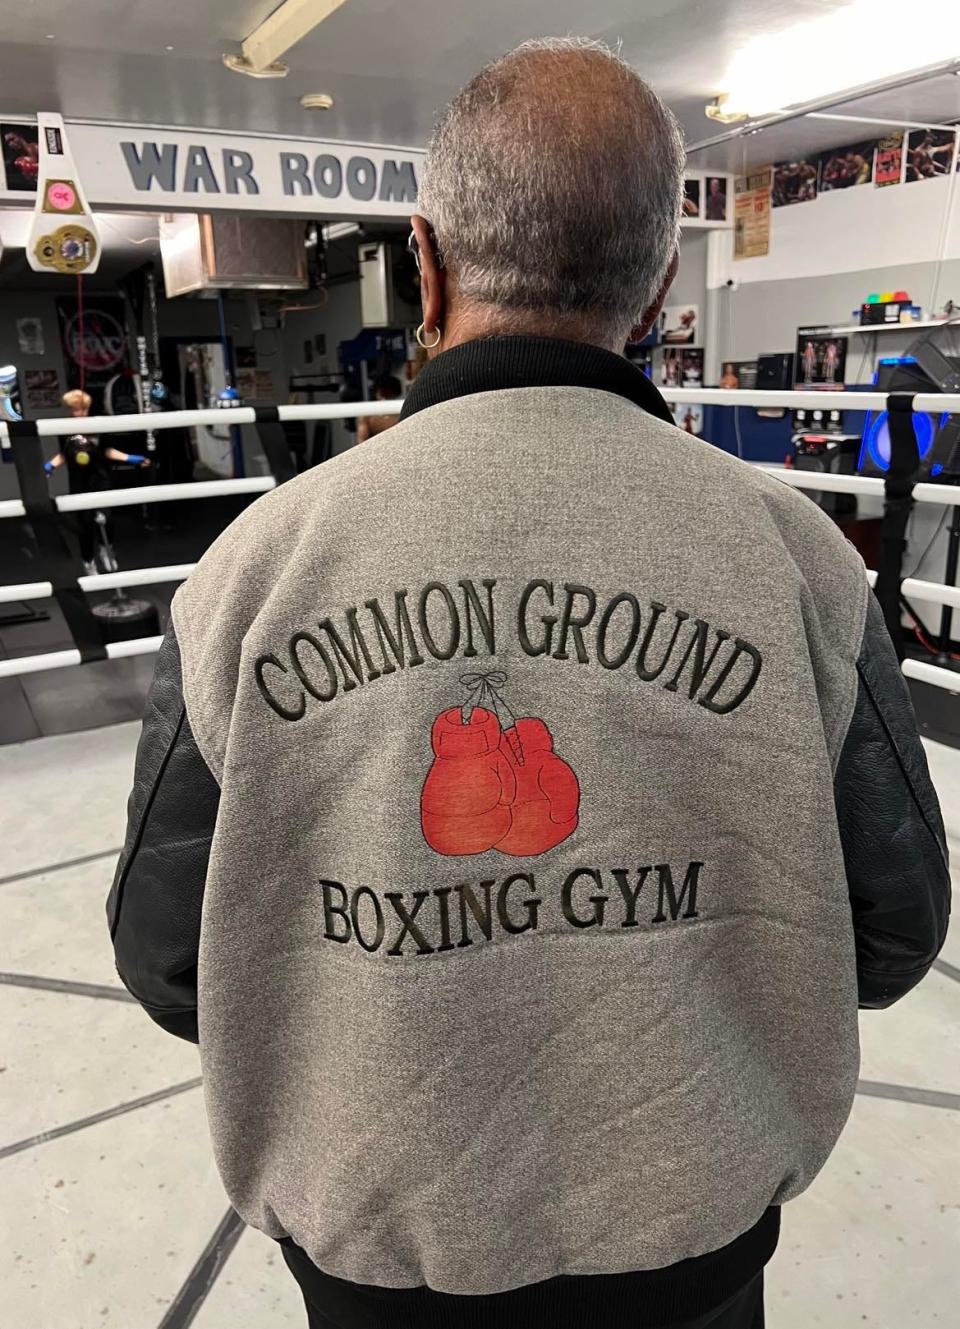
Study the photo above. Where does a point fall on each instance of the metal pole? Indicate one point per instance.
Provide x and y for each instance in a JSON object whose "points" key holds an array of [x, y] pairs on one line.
{"points": [[950, 579]]}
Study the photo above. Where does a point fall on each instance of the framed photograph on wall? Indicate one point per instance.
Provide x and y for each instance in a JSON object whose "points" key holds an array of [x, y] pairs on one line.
{"points": [[691, 195], [679, 367], [929, 153], [842, 168], [794, 182], [691, 368], [715, 204], [678, 325], [21, 156], [667, 366], [821, 359], [888, 167], [688, 417]]}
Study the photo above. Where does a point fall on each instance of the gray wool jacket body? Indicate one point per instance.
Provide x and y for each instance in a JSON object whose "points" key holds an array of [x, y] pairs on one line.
{"points": [[559, 800]]}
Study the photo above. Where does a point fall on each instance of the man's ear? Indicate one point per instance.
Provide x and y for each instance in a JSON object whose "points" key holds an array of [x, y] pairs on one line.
{"points": [[432, 279], [653, 313]]}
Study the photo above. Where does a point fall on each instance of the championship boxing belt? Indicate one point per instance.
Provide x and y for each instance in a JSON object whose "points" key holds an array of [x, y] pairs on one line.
{"points": [[63, 235]]}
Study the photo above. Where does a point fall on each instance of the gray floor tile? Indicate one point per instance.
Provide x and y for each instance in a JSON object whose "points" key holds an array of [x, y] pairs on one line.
{"points": [[55, 924], [67, 1057], [64, 797], [255, 1289], [873, 1243], [916, 1041], [109, 1222]]}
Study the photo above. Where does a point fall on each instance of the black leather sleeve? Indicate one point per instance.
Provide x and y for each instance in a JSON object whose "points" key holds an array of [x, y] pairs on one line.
{"points": [[893, 839], [155, 903]]}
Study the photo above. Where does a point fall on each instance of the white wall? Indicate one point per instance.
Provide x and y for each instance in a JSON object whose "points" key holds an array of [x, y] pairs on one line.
{"points": [[850, 230], [828, 255]]}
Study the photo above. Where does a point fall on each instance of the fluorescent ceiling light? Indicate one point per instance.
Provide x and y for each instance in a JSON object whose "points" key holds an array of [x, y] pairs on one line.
{"points": [[289, 23], [864, 41]]}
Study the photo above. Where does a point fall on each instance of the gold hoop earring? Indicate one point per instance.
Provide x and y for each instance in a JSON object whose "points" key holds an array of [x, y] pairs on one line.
{"points": [[427, 345]]}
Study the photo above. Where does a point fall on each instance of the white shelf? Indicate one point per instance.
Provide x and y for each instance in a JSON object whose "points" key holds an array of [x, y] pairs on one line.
{"points": [[870, 328]]}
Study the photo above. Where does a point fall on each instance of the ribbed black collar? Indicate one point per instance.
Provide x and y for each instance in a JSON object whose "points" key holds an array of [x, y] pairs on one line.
{"points": [[490, 364]]}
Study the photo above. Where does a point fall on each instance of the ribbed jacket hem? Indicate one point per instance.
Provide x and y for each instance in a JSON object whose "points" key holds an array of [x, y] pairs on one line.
{"points": [[667, 1296]]}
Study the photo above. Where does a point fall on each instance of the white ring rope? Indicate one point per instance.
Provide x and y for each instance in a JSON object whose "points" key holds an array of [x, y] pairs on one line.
{"points": [[934, 592], [935, 402], [930, 673], [129, 498], [222, 416], [948, 495], [116, 650], [817, 400]]}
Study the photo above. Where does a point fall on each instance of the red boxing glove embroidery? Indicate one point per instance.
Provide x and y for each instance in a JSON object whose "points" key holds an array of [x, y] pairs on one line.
{"points": [[545, 810], [466, 798], [495, 782]]}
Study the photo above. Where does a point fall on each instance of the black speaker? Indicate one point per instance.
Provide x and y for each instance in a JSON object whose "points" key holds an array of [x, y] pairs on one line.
{"points": [[834, 456], [775, 371]]}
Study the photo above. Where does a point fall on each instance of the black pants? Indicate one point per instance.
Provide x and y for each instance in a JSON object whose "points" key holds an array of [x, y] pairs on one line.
{"points": [[331, 1304]]}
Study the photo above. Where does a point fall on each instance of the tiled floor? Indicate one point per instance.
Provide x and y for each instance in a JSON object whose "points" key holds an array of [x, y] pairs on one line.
{"points": [[115, 1217]]}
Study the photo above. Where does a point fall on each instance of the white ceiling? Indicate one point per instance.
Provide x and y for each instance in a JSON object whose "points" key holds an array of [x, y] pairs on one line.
{"points": [[390, 66]]}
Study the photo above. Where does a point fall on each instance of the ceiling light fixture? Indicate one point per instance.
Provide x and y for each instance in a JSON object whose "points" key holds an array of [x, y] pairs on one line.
{"points": [[239, 64], [317, 101], [288, 24], [717, 110], [843, 49]]}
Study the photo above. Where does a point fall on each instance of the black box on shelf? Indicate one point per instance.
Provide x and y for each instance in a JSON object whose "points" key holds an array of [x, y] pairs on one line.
{"points": [[871, 315], [775, 371]]}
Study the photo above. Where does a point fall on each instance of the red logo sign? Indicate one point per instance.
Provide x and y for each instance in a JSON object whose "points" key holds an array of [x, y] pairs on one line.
{"points": [[103, 342]]}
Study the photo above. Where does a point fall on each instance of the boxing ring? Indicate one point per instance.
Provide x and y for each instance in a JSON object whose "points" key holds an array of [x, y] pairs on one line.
{"points": [[898, 491]]}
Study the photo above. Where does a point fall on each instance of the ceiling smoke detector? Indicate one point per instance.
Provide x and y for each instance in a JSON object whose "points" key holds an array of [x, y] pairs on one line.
{"points": [[317, 101], [239, 64], [716, 110]]}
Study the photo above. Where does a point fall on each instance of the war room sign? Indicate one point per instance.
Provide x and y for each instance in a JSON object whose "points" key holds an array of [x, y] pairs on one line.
{"points": [[145, 168]]}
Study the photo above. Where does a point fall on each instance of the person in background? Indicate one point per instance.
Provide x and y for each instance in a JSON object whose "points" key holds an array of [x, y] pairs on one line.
{"points": [[385, 388], [86, 460], [525, 1023], [729, 379]]}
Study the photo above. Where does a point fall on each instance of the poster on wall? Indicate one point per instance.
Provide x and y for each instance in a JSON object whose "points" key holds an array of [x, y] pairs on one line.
{"points": [[21, 156], [41, 389], [691, 196], [794, 182], [842, 168], [681, 367], [821, 359], [255, 384], [691, 369], [751, 216], [715, 206], [98, 342], [688, 416], [888, 169], [30, 339], [929, 153], [678, 324]]}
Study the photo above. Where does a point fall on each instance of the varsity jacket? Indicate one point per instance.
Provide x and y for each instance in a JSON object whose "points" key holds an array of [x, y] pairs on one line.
{"points": [[525, 803]]}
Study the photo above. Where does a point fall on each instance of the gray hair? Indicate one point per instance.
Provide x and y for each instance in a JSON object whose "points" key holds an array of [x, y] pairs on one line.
{"points": [[554, 184]]}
